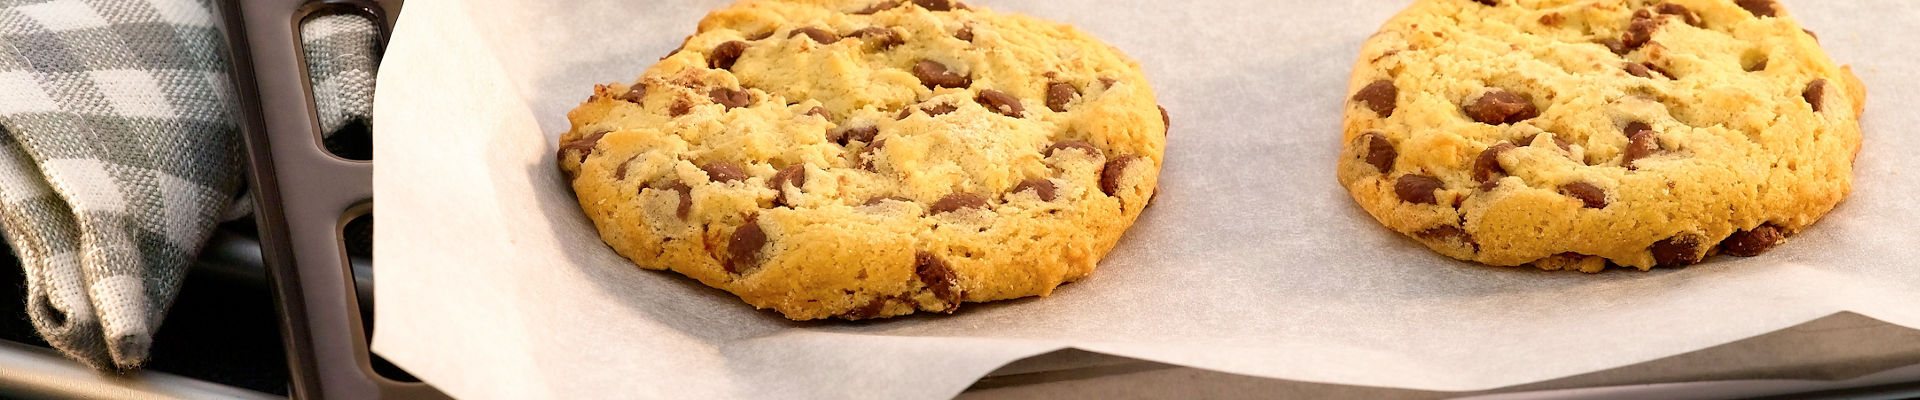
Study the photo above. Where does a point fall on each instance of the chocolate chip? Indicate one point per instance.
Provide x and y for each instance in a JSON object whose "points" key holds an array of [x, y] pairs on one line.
{"points": [[1108, 83], [957, 202], [724, 55], [723, 172], [743, 249], [1059, 93], [937, 75], [1677, 251], [1487, 166], [883, 199], [1640, 31], [1072, 145], [1002, 103], [761, 35], [878, 7], [1816, 94], [880, 37], [730, 97], [1380, 151], [1501, 107], [686, 199], [1111, 174], [1165, 121], [873, 308], [817, 34], [1639, 70], [965, 33], [677, 49], [1592, 195], [935, 5], [847, 136], [1758, 66], [1655, 68], [1616, 46], [1642, 142], [1381, 96], [1488, 2], [1680, 11], [1759, 8], [867, 155], [679, 108], [1556, 141], [583, 146], [793, 175], [1816, 36], [1041, 187], [1752, 243], [938, 277], [634, 94], [821, 112], [620, 174], [1417, 189]]}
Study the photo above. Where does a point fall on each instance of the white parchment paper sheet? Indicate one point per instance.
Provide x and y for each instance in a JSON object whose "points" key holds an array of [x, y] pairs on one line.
{"points": [[1254, 261]]}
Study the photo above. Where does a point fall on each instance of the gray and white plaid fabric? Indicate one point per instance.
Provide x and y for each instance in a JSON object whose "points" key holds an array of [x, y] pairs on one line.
{"points": [[117, 153], [343, 56]]}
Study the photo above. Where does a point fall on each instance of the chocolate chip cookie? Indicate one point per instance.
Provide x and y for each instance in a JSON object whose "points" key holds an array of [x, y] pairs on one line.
{"points": [[870, 158], [1582, 134]]}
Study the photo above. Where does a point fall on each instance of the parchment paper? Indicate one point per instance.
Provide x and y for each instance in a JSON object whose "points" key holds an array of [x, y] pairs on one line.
{"points": [[493, 285]]}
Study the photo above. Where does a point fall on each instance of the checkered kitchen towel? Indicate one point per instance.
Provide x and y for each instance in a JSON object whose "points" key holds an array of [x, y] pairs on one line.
{"points": [[118, 154]]}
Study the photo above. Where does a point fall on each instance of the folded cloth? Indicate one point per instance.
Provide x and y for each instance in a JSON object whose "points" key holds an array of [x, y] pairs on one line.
{"points": [[118, 152]]}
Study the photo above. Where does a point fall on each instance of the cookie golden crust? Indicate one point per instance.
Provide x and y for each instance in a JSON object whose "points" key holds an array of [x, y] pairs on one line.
{"points": [[1577, 134], [863, 159]]}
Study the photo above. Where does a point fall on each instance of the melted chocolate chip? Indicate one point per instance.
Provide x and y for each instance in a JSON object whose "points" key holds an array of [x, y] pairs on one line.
{"points": [[1111, 174], [1059, 93], [940, 109], [1677, 251], [935, 5], [1640, 31], [821, 112], [686, 199], [1041, 187], [1488, 2], [965, 33], [1165, 121], [1758, 66], [723, 172], [878, 7], [1642, 142], [1487, 167], [1380, 152], [730, 97], [761, 35], [867, 155], [1380, 96], [1752, 243], [634, 94], [882, 38], [1759, 8], [582, 146], [856, 134], [1002, 103], [724, 55], [937, 75], [818, 35], [1072, 145], [1616, 46], [1501, 107], [620, 174], [1592, 195], [1679, 11], [679, 108], [1417, 189], [938, 277], [1816, 94], [957, 202], [793, 175], [1450, 232], [1639, 70], [743, 249]]}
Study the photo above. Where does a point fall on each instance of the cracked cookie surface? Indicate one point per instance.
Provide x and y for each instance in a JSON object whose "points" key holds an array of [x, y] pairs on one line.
{"points": [[864, 159], [1578, 134]]}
